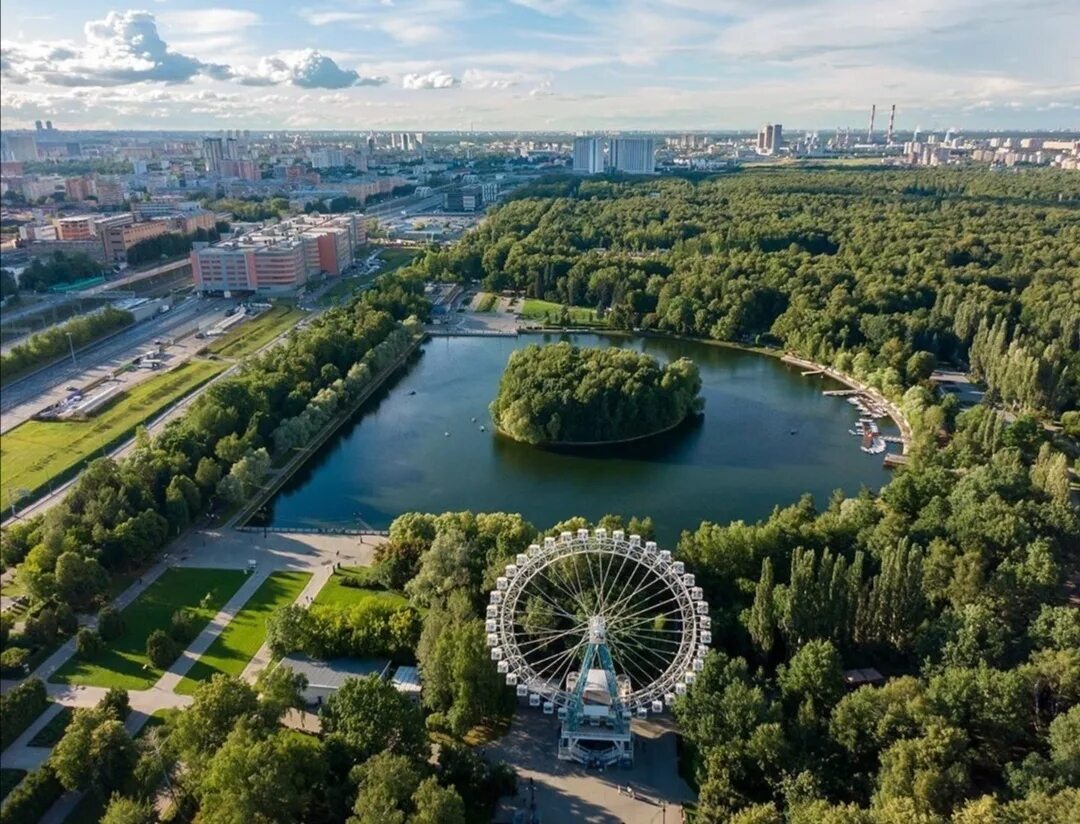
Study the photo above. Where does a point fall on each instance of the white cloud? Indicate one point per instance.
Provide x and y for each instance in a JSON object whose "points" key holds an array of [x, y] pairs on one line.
{"points": [[481, 79], [123, 48], [432, 80], [209, 21], [309, 69]]}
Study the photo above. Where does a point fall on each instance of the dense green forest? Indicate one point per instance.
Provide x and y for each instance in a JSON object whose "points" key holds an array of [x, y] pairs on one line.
{"points": [[859, 269], [570, 394], [45, 347]]}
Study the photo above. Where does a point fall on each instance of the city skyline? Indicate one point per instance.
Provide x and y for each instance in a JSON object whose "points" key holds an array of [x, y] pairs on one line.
{"points": [[529, 64]]}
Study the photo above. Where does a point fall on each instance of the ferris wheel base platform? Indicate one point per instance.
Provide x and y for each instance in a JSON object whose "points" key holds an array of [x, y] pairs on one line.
{"points": [[596, 747]]}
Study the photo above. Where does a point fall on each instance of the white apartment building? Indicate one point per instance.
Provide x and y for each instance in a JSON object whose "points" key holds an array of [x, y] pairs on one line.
{"points": [[632, 155], [589, 155]]}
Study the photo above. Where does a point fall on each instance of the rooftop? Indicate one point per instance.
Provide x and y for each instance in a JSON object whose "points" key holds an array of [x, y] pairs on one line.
{"points": [[332, 673]]}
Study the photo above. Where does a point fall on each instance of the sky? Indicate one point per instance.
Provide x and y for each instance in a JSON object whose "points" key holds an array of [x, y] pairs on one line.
{"points": [[540, 64]]}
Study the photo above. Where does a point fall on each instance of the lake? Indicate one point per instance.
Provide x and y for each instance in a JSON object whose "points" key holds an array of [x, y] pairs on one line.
{"points": [[767, 436]]}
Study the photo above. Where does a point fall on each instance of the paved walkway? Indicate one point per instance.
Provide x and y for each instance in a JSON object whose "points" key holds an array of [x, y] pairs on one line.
{"points": [[20, 755], [264, 656], [187, 659]]}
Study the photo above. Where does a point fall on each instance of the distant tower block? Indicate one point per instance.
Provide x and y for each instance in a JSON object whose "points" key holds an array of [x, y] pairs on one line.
{"points": [[892, 121], [870, 131]]}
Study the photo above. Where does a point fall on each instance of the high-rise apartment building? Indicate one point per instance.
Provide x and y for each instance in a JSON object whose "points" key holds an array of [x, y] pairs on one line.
{"points": [[770, 139], [632, 155], [20, 147], [589, 155], [213, 154]]}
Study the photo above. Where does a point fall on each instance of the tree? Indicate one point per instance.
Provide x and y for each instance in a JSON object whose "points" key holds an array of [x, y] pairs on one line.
{"points": [[110, 623], [88, 643], [761, 623], [128, 811], [280, 689], [96, 752], [115, 700], [79, 580], [437, 805], [218, 704], [814, 673], [931, 771], [367, 715], [288, 629], [386, 784], [255, 778], [161, 649]]}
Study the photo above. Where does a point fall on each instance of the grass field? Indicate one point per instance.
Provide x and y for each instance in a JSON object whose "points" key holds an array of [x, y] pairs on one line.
{"points": [[394, 258], [245, 633], [52, 732], [123, 663], [533, 309], [37, 452], [9, 779], [335, 594], [485, 301], [252, 335]]}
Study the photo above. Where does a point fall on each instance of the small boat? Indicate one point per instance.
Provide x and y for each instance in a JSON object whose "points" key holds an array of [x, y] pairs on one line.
{"points": [[446, 434], [793, 431], [412, 392], [483, 429], [474, 420]]}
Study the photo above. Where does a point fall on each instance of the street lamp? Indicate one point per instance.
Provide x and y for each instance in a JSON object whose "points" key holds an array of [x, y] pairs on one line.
{"points": [[71, 344]]}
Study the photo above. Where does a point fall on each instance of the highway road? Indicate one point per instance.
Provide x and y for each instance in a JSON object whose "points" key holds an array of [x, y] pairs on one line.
{"points": [[24, 397]]}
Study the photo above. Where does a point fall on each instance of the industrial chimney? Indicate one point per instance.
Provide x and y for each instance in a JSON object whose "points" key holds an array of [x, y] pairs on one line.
{"points": [[892, 120], [870, 131]]}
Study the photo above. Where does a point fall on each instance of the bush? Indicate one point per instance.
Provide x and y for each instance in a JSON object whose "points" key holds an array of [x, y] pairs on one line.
{"points": [[66, 622], [33, 797], [110, 623], [19, 707], [88, 643], [161, 649], [13, 661]]}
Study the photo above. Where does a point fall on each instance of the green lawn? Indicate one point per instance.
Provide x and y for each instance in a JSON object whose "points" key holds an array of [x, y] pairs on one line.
{"points": [[53, 731], [334, 593], [35, 452], [394, 258], [245, 633], [123, 663], [485, 301], [8, 780], [251, 335], [533, 309]]}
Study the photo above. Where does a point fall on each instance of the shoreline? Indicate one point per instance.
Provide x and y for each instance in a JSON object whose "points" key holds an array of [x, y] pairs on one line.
{"points": [[571, 445]]}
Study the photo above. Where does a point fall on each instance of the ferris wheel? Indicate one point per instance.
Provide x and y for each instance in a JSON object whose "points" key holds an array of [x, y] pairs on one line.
{"points": [[598, 627]]}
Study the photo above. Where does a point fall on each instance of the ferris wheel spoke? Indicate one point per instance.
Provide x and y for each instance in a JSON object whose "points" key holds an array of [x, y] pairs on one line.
{"points": [[573, 591], [614, 581], [539, 593], [632, 671], [650, 658], [557, 661], [617, 602], [650, 604], [559, 580], [547, 639]]}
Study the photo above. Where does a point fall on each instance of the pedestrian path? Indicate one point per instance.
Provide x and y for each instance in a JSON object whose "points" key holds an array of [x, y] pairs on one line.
{"points": [[180, 667], [20, 755], [262, 658]]}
